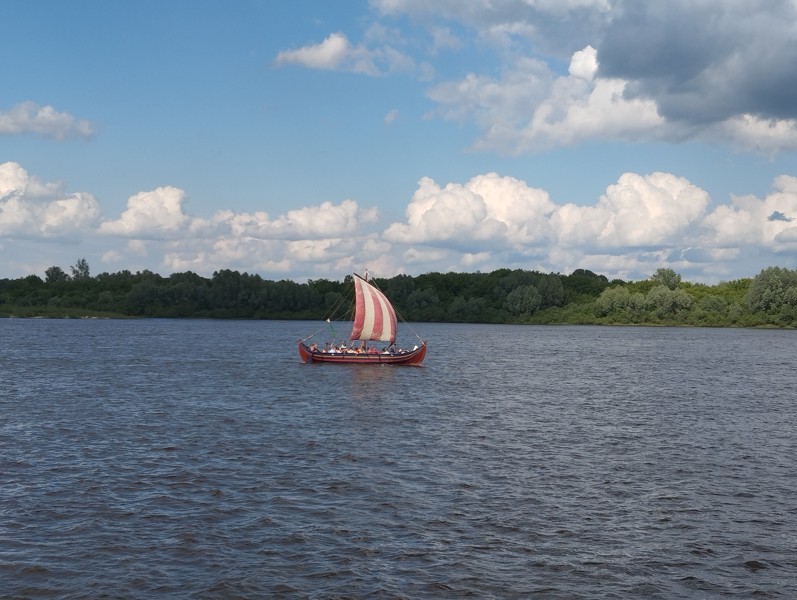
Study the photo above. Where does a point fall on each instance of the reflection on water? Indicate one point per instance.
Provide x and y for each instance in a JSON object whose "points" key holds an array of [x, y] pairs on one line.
{"points": [[362, 382]]}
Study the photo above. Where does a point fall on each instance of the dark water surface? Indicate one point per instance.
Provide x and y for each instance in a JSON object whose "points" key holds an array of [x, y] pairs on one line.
{"points": [[200, 459]]}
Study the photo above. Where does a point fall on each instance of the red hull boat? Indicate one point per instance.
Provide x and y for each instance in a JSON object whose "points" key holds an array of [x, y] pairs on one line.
{"points": [[374, 321], [412, 357]]}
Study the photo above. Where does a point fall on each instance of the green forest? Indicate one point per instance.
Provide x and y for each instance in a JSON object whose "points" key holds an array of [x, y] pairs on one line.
{"points": [[503, 296]]}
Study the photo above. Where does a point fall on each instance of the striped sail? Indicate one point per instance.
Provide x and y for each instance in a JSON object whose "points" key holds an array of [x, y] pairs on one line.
{"points": [[374, 317]]}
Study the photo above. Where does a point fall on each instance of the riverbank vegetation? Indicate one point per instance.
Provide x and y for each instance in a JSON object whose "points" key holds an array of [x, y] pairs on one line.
{"points": [[502, 296]]}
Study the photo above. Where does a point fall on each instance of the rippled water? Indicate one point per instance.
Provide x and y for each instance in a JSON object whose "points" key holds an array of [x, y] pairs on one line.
{"points": [[202, 459]]}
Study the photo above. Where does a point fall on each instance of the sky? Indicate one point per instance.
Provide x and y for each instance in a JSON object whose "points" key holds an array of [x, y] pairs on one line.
{"points": [[308, 140]]}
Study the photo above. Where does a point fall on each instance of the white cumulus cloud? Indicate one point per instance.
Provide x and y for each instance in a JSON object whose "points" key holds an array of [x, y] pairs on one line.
{"points": [[653, 210], [29, 208], [770, 222], [641, 222], [337, 53], [529, 109], [329, 54], [503, 211], [155, 214], [493, 221], [43, 121], [326, 220]]}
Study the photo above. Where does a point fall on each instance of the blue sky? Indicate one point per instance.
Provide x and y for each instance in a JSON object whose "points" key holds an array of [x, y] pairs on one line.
{"points": [[309, 140]]}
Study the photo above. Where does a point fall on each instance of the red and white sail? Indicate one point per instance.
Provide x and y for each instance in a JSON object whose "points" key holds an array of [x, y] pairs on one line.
{"points": [[374, 317]]}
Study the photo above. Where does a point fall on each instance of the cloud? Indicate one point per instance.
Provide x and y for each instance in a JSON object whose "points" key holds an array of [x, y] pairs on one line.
{"points": [[321, 257], [329, 54], [748, 221], [706, 61], [443, 38], [494, 222], [640, 215], [29, 208], [151, 215], [641, 222], [335, 53], [712, 59], [45, 122], [714, 71], [529, 110], [159, 214], [749, 132], [322, 234], [326, 220], [500, 211], [638, 212]]}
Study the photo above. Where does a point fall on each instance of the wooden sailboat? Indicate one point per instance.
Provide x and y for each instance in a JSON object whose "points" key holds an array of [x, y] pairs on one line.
{"points": [[374, 321]]}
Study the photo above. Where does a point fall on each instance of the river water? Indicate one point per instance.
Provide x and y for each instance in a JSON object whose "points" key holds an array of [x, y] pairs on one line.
{"points": [[201, 459]]}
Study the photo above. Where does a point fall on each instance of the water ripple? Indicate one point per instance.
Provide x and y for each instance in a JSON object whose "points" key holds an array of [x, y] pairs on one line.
{"points": [[192, 459]]}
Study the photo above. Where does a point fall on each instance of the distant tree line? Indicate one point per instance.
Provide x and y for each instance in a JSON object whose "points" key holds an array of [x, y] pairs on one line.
{"points": [[502, 296]]}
